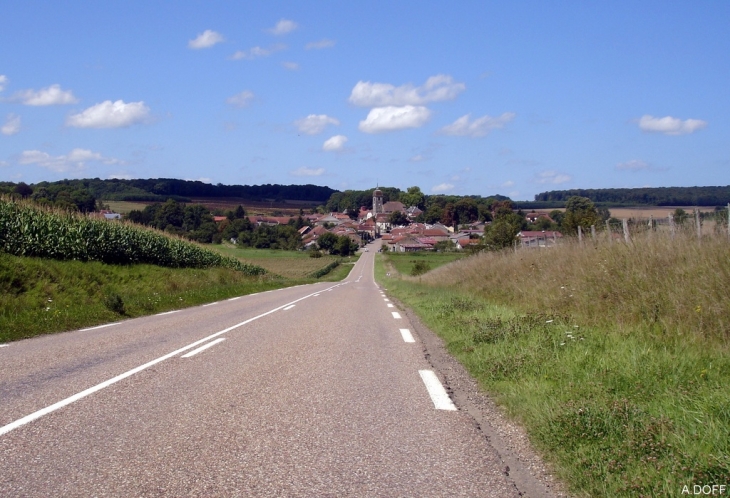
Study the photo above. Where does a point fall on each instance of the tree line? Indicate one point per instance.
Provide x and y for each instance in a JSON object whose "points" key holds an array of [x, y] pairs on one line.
{"points": [[651, 196]]}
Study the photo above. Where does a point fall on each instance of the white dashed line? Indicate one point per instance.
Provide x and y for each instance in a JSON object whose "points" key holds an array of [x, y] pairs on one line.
{"points": [[72, 399], [396, 315], [390, 306], [407, 336], [440, 398], [386, 299], [100, 326], [203, 348], [289, 307], [4, 345], [210, 304]]}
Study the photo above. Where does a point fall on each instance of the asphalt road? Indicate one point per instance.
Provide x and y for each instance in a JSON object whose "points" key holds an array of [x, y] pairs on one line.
{"points": [[316, 390]]}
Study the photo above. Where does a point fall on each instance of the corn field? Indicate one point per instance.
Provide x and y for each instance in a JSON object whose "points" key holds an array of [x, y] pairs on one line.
{"points": [[27, 230]]}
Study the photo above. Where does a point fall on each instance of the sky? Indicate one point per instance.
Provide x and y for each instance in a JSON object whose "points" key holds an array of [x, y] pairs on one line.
{"points": [[466, 97]]}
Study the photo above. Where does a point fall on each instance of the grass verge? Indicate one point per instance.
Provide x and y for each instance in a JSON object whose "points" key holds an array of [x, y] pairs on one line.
{"points": [[39, 296], [620, 408]]}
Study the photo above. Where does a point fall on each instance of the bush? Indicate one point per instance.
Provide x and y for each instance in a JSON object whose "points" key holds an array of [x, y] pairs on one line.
{"points": [[419, 268]]}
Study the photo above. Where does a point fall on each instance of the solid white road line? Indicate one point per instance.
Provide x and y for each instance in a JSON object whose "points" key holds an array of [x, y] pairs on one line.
{"points": [[407, 337], [234, 298], [315, 295], [167, 312], [203, 348], [396, 315], [100, 326], [210, 304], [440, 398], [289, 307], [71, 399]]}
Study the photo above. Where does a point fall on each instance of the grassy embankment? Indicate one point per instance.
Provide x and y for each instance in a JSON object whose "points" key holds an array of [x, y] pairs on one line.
{"points": [[115, 271], [614, 357]]}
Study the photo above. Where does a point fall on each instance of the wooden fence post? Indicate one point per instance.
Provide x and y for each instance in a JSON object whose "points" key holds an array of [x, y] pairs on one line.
{"points": [[580, 235], [593, 233], [651, 224], [625, 224], [608, 232], [672, 228], [698, 223]]}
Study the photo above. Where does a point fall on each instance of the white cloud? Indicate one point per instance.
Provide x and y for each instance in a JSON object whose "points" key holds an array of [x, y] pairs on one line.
{"points": [[633, 165], [670, 126], [315, 123], [110, 114], [240, 99], [335, 143], [393, 118], [283, 27], [11, 126], [477, 128], [437, 88], [442, 187], [291, 66], [304, 171], [53, 95], [257, 52], [206, 39], [552, 177], [508, 184], [320, 44], [3, 82], [74, 161], [418, 158]]}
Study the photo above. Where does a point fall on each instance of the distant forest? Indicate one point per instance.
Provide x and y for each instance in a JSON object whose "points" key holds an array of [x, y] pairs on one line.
{"points": [[161, 189], [659, 196]]}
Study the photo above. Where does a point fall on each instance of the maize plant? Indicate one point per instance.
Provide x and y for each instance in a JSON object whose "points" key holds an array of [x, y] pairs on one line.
{"points": [[27, 230]]}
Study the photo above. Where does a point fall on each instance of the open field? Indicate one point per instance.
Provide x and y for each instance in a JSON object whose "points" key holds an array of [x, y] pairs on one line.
{"points": [[403, 262], [614, 357], [288, 264], [658, 212], [258, 208]]}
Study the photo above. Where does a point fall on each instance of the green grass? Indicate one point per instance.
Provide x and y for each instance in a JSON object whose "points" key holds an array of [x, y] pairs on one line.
{"points": [[618, 410], [39, 296], [296, 265], [404, 262]]}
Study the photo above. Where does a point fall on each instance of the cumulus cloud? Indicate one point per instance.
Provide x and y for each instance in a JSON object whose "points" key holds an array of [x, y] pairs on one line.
{"points": [[633, 165], [477, 128], [552, 177], [73, 161], [393, 118], [240, 99], [257, 52], [670, 126], [283, 27], [442, 187], [304, 171], [315, 123], [110, 114], [437, 88], [318, 45], [335, 143], [3, 82], [11, 126], [291, 66], [53, 95], [206, 39]]}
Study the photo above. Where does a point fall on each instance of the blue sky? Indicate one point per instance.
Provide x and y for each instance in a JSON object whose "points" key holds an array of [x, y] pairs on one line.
{"points": [[471, 97]]}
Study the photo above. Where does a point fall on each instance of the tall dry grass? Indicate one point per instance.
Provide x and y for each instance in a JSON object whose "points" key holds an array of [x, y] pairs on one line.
{"points": [[672, 286]]}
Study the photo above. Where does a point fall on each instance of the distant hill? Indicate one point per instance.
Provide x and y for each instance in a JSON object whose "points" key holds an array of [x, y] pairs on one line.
{"points": [[658, 196], [160, 189]]}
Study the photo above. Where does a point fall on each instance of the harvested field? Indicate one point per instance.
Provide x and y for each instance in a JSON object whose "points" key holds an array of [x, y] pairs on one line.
{"points": [[288, 264]]}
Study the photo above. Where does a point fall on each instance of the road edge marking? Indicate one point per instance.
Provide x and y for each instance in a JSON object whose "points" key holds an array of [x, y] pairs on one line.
{"points": [[436, 391]]}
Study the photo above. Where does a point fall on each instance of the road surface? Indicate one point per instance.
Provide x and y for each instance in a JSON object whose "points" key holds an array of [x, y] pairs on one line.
{"points": [[316, 390]]}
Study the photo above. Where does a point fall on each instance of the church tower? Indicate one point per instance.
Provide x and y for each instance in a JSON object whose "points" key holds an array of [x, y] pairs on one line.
{"points": [[377, 202]]}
